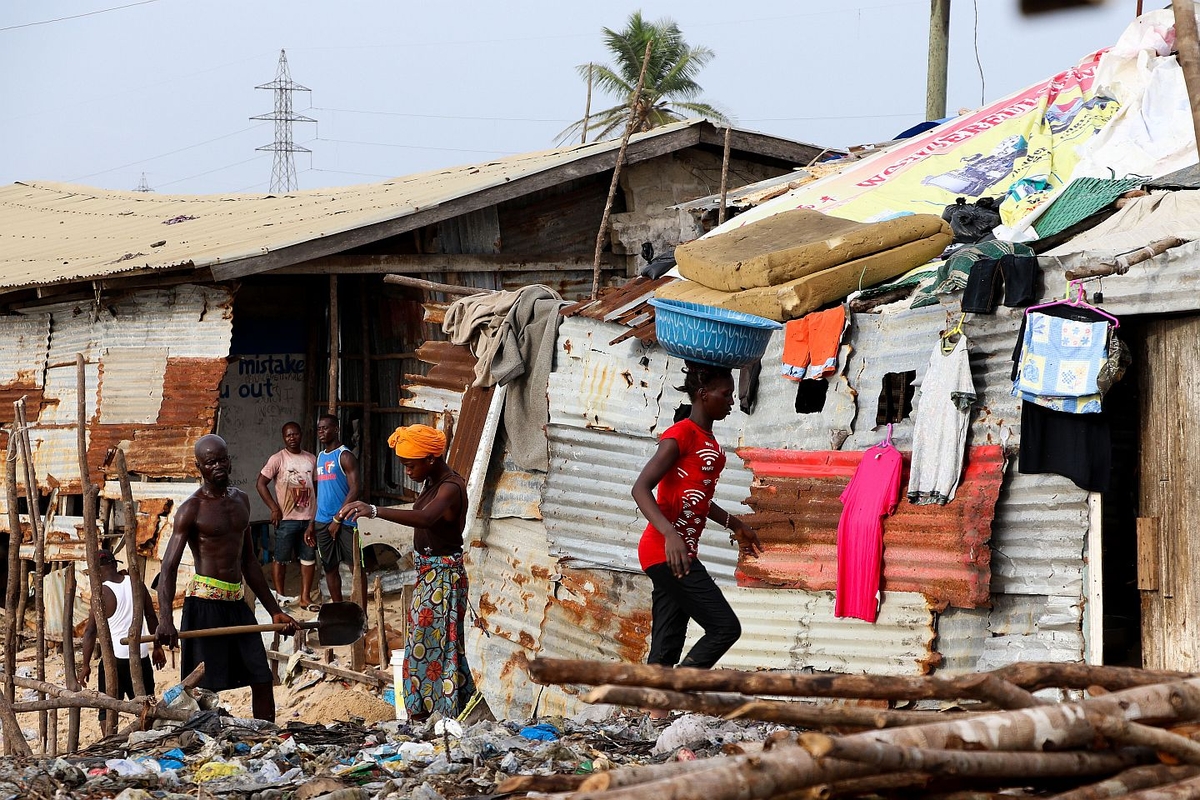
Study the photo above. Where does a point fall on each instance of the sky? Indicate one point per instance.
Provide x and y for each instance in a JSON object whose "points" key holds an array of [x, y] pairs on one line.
{"points": [[102, 92]]}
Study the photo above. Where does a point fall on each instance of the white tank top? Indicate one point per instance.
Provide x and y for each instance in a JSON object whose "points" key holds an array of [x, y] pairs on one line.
{"points": [[122, 618]]}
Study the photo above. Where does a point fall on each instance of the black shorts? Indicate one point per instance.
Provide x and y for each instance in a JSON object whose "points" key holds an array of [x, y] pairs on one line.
{"points": [[229, 661], [334, 551], [125, 680]]}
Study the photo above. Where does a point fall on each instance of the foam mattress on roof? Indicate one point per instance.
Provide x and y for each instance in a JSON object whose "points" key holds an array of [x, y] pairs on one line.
{"points": [[796, 244], [798, 297]]}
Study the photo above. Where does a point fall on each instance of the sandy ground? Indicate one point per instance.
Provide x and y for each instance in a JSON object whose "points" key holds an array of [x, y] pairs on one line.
{"points": [[312, 698]]}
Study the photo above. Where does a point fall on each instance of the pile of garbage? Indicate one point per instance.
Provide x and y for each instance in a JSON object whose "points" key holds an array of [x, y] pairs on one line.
{"points": [[216, 755]]}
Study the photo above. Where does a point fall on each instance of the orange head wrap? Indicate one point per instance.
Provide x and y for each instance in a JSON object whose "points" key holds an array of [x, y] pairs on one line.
{"points": [[417, 441]]}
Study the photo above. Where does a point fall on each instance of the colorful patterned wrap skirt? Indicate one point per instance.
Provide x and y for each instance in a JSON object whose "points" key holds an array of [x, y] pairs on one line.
{"points": [[436, 675]]}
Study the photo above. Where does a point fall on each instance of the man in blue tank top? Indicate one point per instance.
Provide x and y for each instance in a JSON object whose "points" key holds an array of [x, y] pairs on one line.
{"points": [[336, 481]]}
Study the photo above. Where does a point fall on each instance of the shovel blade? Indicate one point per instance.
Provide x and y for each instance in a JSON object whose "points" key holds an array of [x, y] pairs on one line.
{"points": [[340, 624]]}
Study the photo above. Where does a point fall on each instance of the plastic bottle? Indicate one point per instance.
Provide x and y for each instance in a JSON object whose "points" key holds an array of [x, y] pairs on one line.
{"points": [[398, 683]]}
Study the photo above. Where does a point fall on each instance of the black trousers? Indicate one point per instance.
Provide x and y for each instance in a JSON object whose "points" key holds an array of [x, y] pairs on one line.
{"points": [[675, 601], [1016, 276], [125, 679]]}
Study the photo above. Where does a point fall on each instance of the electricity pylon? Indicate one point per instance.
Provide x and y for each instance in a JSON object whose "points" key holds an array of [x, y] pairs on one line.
{"points": [[283, 169]]}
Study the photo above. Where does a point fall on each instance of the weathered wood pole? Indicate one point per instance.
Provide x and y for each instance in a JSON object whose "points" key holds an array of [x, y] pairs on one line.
{"points": [[634, 120], [379, 624], [69, 591], [32, 495], [129, 511], [587, 106], [724, 176], [91, 537], [939, 52], [1187, 45], [334, 345]]}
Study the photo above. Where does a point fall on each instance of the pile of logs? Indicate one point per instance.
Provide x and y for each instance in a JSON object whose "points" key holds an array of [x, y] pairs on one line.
{"points": [[1129, 736]]}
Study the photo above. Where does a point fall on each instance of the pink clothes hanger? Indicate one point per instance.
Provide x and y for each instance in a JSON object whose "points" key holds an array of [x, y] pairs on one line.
{"points": [[887, 442], [1078, 301]]}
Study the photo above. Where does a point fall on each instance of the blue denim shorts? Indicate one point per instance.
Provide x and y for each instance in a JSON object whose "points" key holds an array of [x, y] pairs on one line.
{"points": [[289, 542]]}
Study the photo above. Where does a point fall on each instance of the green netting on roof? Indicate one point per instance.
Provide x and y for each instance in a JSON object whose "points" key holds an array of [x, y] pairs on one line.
{"points": [[1082, 198]]}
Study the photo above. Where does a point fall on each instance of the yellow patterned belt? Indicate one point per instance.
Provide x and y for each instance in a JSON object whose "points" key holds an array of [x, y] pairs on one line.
{"points": [[207, 588]]}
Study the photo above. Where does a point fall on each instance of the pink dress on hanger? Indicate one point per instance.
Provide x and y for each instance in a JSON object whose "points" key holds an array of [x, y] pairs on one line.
{"points": [[873, 492]]}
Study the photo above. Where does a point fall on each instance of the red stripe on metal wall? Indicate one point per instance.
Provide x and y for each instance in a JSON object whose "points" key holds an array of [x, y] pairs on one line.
{"points": [[939, 551]]}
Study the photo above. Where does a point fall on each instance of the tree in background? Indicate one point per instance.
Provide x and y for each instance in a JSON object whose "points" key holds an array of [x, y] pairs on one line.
{"points": [[670, 86]]}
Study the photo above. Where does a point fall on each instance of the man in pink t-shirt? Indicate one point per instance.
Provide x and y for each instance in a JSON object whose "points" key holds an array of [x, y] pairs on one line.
{"points": [[292, 509]]}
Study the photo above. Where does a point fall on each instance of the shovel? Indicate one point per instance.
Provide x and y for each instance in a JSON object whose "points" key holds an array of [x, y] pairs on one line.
{"points": [[336, 624]]}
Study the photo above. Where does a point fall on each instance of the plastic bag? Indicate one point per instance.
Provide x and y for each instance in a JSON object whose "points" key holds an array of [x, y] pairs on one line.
{"points": [[972, 223]]}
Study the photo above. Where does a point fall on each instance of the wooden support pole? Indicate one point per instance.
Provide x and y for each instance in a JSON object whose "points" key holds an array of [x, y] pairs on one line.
{"points": [[1121, 264], [14, 740], [15, 567], [69, 665], [587, 106], [358, 595], [32, 496], [366, 458], [724, 176], [129, 512], [635, 120], [86, 698], [334, 345], [1187, 45], [384, 655], [939, 61], [431, 286]]}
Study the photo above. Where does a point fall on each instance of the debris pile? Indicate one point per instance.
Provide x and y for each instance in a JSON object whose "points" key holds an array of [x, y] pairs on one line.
{"points": [[1110, 731]]}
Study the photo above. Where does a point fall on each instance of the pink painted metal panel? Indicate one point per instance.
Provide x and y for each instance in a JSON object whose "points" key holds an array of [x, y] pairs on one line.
{"points": [[940, 551]]}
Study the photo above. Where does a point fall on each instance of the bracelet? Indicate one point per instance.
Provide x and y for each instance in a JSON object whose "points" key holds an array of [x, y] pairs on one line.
{"points": [[374, 512]]}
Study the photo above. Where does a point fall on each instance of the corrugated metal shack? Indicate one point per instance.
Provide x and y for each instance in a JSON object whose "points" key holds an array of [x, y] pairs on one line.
{"points": [[1019, 567], [196, 313]]}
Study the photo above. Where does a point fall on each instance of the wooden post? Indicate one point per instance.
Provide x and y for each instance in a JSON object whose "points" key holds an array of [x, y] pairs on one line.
{"points": [[358, 594], [14, 740], [634, 120], [15, 567], [39, 558], [334, 345], [69, 590], [1187, 44], [384, 655], [91, 538], [724, 176], [444, 288], [587, 106], [129, 511], [366, 449], [939, 50]]}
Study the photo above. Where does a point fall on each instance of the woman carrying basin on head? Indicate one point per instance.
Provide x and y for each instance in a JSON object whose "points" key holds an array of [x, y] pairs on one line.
{"points": [[436, 675], [685, 470]]}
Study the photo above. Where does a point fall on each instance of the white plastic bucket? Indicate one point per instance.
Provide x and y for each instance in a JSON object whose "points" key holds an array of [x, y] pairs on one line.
{"points": [[398, 682]]}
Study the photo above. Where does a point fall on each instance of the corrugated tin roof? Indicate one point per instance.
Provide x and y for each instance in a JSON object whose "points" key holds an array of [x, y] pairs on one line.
{"points": [[939, 551], [625, 305], [110, 233]]}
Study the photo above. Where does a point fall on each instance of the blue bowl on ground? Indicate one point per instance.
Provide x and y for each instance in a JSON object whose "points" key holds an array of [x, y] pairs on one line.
{"points": [[710, 335]]}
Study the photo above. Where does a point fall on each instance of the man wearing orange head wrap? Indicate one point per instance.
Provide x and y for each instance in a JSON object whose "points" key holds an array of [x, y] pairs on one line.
{"points": [[436, 675]]}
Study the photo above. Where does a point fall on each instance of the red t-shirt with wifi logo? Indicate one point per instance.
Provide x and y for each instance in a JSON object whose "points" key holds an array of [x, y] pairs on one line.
{"points": [[685, 491]]}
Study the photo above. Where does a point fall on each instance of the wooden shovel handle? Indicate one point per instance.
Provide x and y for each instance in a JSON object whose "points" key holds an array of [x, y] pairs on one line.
{"points": [[226, 631]]}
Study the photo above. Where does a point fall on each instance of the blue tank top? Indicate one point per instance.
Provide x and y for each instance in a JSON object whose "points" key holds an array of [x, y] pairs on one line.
{"points": [[332, 485]]}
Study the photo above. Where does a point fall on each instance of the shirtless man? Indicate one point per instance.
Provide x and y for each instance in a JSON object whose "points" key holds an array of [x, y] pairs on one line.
{"points": [[214, 523]]}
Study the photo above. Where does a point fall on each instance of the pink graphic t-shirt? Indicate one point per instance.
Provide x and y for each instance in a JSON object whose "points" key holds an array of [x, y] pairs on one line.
{"points": [[292, 474]]}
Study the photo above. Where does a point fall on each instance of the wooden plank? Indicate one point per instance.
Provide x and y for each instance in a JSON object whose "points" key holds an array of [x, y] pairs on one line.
{"points": [[371, 679], [793, 154], [381, 264], [1148, 564]]}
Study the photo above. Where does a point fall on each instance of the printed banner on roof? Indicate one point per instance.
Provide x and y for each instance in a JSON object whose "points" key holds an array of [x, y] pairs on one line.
{"points": [[1022, 147]]}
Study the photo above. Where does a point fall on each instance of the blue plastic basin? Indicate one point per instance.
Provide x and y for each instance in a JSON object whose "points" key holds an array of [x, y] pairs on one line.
{"points": [[710, 335]]}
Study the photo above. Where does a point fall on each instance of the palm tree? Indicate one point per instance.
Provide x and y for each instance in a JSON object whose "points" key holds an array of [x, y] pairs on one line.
{"points": [[670, 85]]}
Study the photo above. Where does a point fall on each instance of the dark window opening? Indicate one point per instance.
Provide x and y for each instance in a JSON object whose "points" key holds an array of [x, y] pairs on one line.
{"points": [[895, 401], [810, 396]]}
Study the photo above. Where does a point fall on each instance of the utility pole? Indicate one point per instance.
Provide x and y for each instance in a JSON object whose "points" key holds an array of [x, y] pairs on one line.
{"points": [[283, 168], [587, 108], [1187, 44], [939, 51], [143, 186]]}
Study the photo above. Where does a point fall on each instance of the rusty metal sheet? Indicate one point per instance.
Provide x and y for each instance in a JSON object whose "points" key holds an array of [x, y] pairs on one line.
{"points": [[24, 344], [794, 629], [513, 573], [602, 386], [940, 551], [468, 428], [131, 384], [598, 614], [626, 305], [501, 670], [513, 492]]}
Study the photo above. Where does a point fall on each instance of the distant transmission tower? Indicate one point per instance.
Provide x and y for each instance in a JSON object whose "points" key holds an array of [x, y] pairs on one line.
{"points": [[283, 170], [143, 186]]}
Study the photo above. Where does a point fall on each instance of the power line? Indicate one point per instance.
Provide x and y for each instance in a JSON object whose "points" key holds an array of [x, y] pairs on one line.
{"points": [[77, 16], [436, 116], [164, 155], [418, 147], [211, 171], [347, 172]]}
